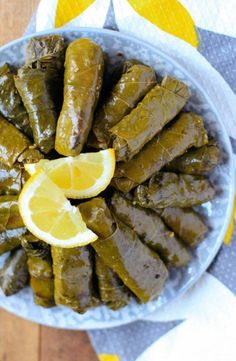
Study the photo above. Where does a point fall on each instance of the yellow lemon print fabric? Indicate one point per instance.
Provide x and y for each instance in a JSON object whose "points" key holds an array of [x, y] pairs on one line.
{"points": [[170, 16], [230, 231], [77, 13], [106, 357], [70, 9]]}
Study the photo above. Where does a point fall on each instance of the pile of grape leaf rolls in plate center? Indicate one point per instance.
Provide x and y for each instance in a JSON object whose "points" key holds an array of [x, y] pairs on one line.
{"points": [[59, 104]]}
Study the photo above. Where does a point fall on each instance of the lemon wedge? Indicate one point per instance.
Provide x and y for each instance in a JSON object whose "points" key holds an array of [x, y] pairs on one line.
{"points": [[49, 215], [83, 176]]}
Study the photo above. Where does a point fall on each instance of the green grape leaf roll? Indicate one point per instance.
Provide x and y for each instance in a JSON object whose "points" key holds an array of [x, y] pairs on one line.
{"points": [[141, 269], [123, 68], [167, 189], [34, 247], [10, 217], [46, 52], [12, 142], [186, 223], [82, 84], [30, 155], [127, 92], [73, 278], [10, 179], [40, 269], [10, 239], [187, 131], [11, 105], [34, 88], [14, 274], [151, 230], [112, 290], [160, 105], [196, 160]]}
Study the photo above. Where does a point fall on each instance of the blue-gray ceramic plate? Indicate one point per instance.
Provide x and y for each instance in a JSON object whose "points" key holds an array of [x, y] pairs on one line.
{"points": [[217, 212]]}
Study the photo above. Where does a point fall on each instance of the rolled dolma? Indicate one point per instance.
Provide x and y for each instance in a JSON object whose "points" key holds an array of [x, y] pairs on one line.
{"points": [[141, 269], [110, 79], [131, 87], [46, 52], [34, 88], [13, 178], [112, 290], [73, 275], [157, 108], [123, 68], [174, 190], [98, 216], [186, 223], [82, 84], [196, 161], [30, 155], [40, 269], [151, 230], [10, 217], [14, 275], [10, 239], [12, 142], [11, 106], [34, 247], [10, 179], [187, 131]]}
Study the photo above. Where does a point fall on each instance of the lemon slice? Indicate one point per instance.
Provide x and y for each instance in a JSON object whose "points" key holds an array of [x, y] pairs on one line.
{"points": [[83, 176], [50, 216]]}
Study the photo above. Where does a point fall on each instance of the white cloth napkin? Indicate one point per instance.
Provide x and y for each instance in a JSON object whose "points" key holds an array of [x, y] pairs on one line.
{"points": [[207, 332]]}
